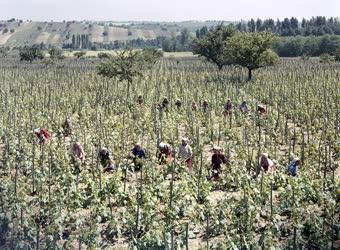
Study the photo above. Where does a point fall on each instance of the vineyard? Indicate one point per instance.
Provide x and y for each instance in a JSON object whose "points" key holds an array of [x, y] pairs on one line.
{"points": [[50, 201]]}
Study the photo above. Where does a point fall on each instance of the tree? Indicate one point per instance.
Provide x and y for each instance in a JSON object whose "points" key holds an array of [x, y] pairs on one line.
{"points": [[251, 25], [251, 50], [73, 41], [56, 53], [259, 26], [213, 45], [201, 32], [30, 53], [125, 66], [184, 37], [129, 63], [328, 44], [166, 45]]}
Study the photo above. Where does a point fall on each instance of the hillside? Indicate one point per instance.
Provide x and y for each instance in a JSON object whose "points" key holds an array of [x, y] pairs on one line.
{"points": [[18, 33]]}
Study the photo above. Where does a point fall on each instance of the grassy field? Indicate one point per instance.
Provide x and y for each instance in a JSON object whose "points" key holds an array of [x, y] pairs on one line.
{"points": [[112, 52], [50, 200]]}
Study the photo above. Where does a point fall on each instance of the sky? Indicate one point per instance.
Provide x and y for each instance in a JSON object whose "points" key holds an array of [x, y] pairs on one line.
{"points": [[165, 10]]}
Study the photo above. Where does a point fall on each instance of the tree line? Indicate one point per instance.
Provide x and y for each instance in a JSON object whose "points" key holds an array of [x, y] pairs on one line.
{"points": [[224, 45], [307, 46], [175, 43], [311, 37], [81, 41], [316, 26]]}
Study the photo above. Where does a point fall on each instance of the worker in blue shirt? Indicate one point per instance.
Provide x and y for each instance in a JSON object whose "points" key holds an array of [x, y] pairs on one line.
{"points": [[137, 154], [293, 167]]}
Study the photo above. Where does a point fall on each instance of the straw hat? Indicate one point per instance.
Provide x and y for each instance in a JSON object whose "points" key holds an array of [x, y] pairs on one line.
{"points": [[185, 139], [295, 159], [104, 150]]}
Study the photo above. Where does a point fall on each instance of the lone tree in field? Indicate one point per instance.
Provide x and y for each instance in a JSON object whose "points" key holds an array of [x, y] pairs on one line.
{"points": [[251, 50], [213, 45], [124, 66], [128, 64], [30, 53]]}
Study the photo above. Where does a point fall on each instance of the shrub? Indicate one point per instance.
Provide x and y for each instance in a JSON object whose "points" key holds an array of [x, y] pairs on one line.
{"points": [[30, 53], [79, 54], [337, 54], [56, 53], [103, 55], [326, 58]]}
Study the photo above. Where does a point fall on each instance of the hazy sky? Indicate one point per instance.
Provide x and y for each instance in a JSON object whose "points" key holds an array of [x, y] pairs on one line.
{"points": [[165, 10]]}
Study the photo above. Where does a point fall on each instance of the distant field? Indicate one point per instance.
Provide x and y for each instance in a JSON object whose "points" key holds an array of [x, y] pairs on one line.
{"points": [[95, 53]]}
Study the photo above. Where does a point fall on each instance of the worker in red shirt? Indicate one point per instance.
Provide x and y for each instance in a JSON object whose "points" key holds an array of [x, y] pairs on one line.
{"points": [[217, 159], [42, 135]]}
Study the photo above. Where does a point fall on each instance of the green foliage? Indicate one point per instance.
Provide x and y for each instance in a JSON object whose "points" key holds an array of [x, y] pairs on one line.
{"points": [[213, 45], [30, 53], [46, 203], [124, 66], [56, 53], [311, 46], [251, 50], [305, 57], [79, 54], [151, 55], [4, 51], [337, 54], [326, 58], [181, 42], [103, 55], [128, 64]]}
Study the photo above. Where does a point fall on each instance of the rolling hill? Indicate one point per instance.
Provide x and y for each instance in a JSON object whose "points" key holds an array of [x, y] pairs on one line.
{"points": [[14, 33]]}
